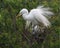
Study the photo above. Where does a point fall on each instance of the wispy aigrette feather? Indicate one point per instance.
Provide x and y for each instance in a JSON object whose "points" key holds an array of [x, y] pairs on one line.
{"points": [[45, 11], [37, 16]]}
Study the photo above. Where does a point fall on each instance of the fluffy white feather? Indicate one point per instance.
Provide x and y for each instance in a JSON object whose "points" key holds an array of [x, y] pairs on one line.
{"points": [[45, 11], [37, 16]]}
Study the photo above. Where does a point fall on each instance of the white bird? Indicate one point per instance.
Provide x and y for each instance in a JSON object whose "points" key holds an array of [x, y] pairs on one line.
{"points": [[37, 16]]}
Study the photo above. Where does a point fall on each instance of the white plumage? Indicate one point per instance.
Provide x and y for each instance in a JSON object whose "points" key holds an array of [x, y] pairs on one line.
{"points": [[36, 16]]}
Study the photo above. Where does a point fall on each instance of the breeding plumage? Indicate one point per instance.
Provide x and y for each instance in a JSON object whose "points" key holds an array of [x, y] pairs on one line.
{"points": [[36, 16]]}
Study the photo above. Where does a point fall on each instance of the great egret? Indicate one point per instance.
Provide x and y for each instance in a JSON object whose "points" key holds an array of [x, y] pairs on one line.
{"points": [[36, 16]]}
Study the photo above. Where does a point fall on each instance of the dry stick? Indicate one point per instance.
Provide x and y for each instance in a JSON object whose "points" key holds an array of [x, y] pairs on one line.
{"points": [[29, 40], [44, 40], [25, 36]]}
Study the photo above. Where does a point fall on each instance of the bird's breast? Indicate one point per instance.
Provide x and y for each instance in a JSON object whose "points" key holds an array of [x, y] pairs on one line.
{"points": [[28, 17]]}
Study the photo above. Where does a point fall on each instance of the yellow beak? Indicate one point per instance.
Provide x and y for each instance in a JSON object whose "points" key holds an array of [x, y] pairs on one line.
{"points": [[18, 15]]}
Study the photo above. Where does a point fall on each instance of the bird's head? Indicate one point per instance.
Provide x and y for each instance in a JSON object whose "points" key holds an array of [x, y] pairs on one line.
{"points": [[23, 11]]}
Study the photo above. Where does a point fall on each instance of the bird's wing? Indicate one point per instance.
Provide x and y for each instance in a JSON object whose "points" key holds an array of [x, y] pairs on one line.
{"points": [[45, 11], [42, 19]]}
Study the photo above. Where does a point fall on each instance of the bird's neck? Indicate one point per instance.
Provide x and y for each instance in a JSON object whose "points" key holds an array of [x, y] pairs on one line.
{"points": [[25, 16]]}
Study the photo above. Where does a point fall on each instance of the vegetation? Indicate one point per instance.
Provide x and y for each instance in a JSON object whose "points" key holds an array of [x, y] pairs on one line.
{"points": [[11, 28]]}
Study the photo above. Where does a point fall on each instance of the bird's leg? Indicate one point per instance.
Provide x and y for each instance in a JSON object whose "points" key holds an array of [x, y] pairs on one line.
{"points": [[33, 31], [27, 25]]}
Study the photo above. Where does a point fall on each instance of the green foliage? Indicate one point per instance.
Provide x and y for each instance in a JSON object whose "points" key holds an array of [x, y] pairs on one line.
{"points": [[11, 28]]}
